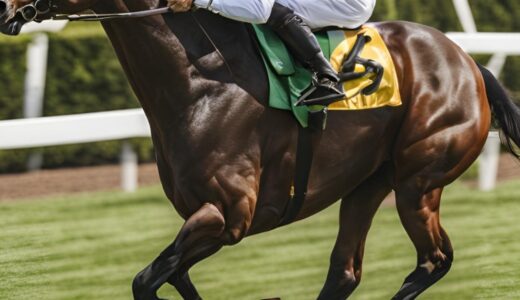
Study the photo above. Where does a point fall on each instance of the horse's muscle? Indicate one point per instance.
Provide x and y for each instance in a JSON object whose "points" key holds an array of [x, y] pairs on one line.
{"points": [[226, 160], [220, 149], [447, 112]]}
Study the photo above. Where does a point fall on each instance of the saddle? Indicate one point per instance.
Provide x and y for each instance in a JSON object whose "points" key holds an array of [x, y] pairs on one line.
{"points": [[360, 57]]}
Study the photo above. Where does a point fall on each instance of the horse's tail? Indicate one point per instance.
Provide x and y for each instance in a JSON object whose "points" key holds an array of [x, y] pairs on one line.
{"points": [[506, 113]]}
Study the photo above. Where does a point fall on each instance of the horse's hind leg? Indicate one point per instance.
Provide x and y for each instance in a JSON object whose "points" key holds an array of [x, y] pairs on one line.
{"points": [[419, 215], [425, 167], [199, 237], [357, 211]]}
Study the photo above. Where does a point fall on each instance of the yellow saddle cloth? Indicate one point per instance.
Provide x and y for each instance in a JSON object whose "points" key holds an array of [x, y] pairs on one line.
{"points": [[388, 92], [288, 79]]}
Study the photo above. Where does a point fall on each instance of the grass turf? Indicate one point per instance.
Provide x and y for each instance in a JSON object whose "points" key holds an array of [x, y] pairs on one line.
{"points": [[90, 247]]}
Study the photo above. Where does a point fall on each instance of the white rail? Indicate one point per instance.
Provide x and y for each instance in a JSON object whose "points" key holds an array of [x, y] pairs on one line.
{"points": [[81, 128], [73, 129], [487, 42]]}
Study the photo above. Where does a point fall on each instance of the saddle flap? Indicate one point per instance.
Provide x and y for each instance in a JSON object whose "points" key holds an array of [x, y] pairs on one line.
{"points": [[275, 51]]}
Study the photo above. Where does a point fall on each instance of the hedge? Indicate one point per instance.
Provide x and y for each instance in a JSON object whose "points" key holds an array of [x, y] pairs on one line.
{"points": [[84, 74], [490, 16]]}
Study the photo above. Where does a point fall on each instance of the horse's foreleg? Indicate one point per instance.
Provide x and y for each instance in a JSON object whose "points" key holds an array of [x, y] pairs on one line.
{"points": [[420, 217], [357, 211], [200, 236]]}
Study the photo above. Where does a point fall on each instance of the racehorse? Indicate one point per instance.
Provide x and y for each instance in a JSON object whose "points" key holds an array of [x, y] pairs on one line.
{"points": [[226, 159]]}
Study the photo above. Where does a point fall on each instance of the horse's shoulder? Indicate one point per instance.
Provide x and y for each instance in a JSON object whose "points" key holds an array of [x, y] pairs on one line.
{"points": [[223, 50]]}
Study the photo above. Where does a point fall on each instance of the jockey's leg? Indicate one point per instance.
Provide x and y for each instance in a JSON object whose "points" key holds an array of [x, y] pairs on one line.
{"points": [[303, 44], [348, 14]]}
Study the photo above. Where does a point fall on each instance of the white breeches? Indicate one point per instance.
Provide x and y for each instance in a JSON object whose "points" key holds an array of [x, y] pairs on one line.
{"points": [[316, 13]]}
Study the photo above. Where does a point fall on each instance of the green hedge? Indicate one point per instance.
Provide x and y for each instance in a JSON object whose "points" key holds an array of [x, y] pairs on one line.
{"points": [[84, 74]]}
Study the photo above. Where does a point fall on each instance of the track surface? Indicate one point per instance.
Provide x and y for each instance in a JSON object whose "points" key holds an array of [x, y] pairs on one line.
{"points": [[106, 178], [69, 181], [89, 246]]}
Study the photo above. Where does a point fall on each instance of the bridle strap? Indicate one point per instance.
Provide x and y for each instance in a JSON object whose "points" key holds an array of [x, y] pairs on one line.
{"points": [[112, 16]]}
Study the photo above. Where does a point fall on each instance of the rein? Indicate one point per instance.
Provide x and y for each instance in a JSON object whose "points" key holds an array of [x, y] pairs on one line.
{"points": [[44, 8], [112, 16], [40, 10]]}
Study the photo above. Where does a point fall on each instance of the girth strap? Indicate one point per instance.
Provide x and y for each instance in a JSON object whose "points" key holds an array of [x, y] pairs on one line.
{"points": [[307, 139]]}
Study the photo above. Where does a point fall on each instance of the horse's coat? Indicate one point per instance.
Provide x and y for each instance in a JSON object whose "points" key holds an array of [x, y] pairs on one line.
{"points": [[226, 160]]}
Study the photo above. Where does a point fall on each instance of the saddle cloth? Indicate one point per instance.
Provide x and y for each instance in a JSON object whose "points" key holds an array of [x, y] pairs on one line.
{"points": [[288, 79]]}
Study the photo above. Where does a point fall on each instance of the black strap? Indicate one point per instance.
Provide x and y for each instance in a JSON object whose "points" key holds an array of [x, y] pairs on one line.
{"points": [[304, 155]]}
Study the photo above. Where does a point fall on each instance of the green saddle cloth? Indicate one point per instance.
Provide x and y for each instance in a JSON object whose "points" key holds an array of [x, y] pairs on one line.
{"points": [[287, 78]]}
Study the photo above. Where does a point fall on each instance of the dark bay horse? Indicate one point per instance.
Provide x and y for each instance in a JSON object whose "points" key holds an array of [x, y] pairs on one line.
{"points": [[226, 160]]}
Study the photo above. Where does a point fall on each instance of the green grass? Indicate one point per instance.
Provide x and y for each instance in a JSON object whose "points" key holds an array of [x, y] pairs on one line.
{"points": [[90, 247]]}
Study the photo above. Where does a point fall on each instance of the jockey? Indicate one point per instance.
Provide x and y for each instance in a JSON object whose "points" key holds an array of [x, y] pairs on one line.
{"points": [[293, 21]]}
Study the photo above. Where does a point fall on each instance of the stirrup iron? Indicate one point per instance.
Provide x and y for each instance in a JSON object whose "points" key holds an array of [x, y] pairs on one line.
{"points": [[333, 95]]}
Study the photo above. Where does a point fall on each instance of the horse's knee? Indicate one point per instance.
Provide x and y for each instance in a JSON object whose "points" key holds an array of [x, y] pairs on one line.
{"points": [[238, 222], [213, 219], [233, 236], [207, 221]]}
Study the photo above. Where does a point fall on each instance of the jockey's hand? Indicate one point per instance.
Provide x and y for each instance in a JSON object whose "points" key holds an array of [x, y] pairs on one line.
{"points": [[180, 5]]}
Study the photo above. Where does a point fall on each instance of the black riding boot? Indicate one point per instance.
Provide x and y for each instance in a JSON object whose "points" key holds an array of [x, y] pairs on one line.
{"points": [[303, 44]]}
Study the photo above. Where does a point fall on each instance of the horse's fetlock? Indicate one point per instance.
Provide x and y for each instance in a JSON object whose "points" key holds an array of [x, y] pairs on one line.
{"points": [[437, 261], [444, 264], [439, 258], [350, 278], [347, 278]]}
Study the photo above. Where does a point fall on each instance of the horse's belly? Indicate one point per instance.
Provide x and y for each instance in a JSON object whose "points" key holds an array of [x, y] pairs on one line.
{"points": [[353, 147]]}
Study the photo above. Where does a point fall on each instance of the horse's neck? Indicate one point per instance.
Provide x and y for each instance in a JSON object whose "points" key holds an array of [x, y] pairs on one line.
{"points": [[164, 56], [153, 58]]}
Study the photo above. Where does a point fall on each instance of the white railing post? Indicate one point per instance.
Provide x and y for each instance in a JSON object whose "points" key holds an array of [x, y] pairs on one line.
{"points": [[35, 87], [496, 63], [489, 159], [488, 163], [129, 168], [35, 77], [465, 15]]}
